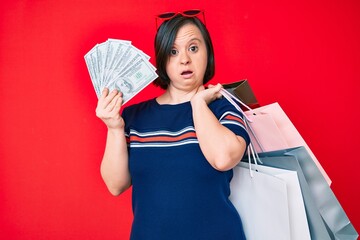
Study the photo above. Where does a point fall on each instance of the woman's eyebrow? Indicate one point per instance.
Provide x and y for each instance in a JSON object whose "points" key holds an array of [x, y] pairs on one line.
{"points": [[195, 40], [191, 40]]}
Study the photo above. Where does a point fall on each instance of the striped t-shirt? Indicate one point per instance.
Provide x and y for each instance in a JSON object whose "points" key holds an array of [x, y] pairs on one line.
{"points": [[176, 193]]}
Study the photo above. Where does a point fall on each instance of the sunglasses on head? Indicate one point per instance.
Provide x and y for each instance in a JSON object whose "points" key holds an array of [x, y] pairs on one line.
{"points": [[187, 13]]}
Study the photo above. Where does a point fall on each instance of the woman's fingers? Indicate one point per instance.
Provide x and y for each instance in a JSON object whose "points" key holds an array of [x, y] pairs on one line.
{"points": [[114, 102], [104, 93], [106, 97], [109, 104], [118, 104], [215, 90], [108, 108], [218, 87]]}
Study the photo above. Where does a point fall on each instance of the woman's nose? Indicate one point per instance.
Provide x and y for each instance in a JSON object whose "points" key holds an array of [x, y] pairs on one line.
{"points": [[185, 59]]}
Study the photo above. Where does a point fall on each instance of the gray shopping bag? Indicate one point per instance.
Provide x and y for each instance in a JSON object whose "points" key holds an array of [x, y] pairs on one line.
{"points": [[318, 192]]}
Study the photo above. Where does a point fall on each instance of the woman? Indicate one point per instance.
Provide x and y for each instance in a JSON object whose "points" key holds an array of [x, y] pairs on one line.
{"points": [[176, 150]]}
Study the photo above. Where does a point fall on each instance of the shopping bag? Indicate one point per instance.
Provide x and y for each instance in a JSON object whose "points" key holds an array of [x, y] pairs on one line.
{"points": [[299, 228], [316, 192], [243, 91], [261, 200], [271, 129], [317, 226]]}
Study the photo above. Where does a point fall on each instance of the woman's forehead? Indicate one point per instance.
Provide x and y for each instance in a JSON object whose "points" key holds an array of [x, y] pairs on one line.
{"points": [[188, 32]]}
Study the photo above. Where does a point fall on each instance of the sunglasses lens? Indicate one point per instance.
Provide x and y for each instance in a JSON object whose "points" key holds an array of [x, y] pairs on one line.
{"points": [[166, 15], [191, 12]]}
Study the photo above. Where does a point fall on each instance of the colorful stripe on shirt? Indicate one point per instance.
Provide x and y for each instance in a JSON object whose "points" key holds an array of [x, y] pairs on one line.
{"points": [[232, 118], [162, 138], [178, 138]]}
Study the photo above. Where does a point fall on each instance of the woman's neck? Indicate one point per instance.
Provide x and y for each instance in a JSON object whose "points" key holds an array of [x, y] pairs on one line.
{"points": [[176, 96]]}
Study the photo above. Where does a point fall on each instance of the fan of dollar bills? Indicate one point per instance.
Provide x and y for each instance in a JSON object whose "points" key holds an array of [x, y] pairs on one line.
{"points": [[116, 64]]}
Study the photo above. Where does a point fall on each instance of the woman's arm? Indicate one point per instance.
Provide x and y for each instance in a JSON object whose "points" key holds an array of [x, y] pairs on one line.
{"points": [[114, 166], [221, 147]]}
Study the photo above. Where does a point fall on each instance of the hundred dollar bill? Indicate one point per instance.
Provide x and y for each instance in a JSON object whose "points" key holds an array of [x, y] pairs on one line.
{"points": [[101, 57], [128, 58], [91, 63], [134, 79], [115, 50]]}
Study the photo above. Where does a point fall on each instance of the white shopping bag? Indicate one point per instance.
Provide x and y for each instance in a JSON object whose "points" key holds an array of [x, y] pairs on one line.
{"points": [[299, 227], [262, 202]]}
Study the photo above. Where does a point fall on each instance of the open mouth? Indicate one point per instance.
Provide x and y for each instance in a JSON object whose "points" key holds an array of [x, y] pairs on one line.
{"points": [[186, 73]]}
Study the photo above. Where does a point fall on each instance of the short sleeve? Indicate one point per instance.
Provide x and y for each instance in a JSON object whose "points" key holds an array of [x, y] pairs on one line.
{"points": [[230, 117], [126, 115]]}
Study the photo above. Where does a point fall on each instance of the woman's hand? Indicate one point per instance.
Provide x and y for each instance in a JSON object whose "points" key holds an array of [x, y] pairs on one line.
{"points": [[108, 109], [207, 95]]}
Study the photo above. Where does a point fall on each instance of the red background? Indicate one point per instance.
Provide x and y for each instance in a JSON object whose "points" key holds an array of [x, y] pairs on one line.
{"points": [[303, 54]]}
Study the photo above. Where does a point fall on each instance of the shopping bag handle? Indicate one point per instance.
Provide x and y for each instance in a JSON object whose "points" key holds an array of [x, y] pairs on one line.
{"points": [[231, 99], [250, 149], [226, 94]]}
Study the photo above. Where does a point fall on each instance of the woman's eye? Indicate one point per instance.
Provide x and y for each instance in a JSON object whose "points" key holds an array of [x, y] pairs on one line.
{"points": [[193, 48], [173, 52]]}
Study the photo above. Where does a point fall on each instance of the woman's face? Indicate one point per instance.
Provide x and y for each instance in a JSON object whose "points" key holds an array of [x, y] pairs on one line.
{"points": [[188, 59]]}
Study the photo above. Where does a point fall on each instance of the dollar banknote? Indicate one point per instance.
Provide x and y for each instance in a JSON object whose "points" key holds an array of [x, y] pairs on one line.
{"points": [[117, 64]]}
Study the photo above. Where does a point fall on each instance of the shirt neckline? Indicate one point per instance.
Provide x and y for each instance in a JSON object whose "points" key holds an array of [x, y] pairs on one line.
{"points": [[176, 106]]}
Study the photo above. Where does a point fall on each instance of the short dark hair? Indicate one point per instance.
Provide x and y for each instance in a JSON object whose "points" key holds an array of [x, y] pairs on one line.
{"points": [[164, 41]]}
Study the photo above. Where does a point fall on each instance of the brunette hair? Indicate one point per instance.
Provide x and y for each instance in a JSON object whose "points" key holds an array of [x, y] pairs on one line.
{"points": [[164, 41]]}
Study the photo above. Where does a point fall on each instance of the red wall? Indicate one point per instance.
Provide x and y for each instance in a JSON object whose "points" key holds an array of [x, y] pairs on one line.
{"points": [[303, 54]]}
